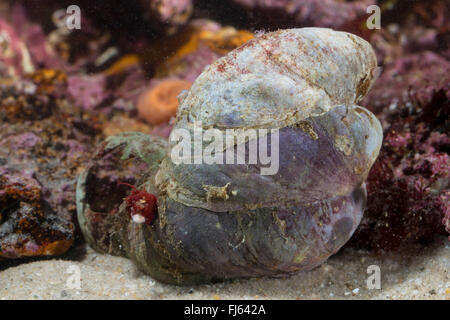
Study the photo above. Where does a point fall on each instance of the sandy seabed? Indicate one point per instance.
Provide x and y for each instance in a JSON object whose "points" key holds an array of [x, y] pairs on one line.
{"points": [[415, 272]]}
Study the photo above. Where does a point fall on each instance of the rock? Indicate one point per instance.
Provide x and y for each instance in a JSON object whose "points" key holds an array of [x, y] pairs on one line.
{"points": [[43, 144]]}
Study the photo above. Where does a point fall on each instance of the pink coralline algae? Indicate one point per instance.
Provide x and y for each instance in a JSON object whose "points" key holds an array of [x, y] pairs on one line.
{"points": [[24, 46], [411, 78], [87, 92], [408, 187], [446, 219], [15, 58]]}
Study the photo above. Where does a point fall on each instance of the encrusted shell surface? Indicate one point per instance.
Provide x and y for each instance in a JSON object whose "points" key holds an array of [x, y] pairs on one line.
{"points": [[281, 78], [224, 221]]}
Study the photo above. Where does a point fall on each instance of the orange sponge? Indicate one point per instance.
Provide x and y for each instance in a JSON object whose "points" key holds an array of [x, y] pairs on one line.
{"points": [[158, 104]]}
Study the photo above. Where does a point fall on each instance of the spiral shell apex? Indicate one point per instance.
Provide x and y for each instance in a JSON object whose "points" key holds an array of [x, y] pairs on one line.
{"points": [[219, 221]]}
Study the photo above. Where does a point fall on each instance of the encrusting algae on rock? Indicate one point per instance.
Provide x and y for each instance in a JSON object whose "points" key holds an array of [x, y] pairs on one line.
{"points": [[43, 145], [271, 225]]}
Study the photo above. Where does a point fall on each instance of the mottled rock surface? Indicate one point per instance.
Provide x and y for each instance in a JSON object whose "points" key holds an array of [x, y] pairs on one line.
{"points": [[44, 142]]}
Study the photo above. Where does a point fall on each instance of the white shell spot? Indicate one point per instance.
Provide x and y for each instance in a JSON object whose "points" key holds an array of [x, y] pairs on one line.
{"points": [[137, 218]]}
